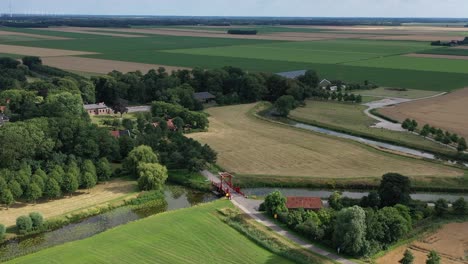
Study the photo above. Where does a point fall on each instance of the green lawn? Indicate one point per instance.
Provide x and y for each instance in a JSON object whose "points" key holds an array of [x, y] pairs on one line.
{"points": [[194, 235], [351, 118]]}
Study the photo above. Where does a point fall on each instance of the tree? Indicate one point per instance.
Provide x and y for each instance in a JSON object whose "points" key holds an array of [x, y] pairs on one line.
{"points": [[152, 176], [178, 123], [88, 168], [310, 78], [127, 123], [63, 104], [31, 61], [394, 224], [372, 200], [144, 154], [120, 106], [15, 189], [89, 180], [24, 224], [284, 105], [52, 189], [408, 258], [441, 207], [460, 206], [70, 183], [433, 258], [33, 192], [7, 198], [37, 220], [335, 201], [394, 189], [275, 203], [350, 231], [461, 144], [103, 169]]}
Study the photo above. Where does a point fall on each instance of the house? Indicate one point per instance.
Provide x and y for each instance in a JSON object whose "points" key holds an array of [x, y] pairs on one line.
{"points": [[3, 119], [120, 133], [2, 108], [307, 203], [98, 109], [204, 97], [170, 125], [292, 74], [324, 84], [334, 88]]}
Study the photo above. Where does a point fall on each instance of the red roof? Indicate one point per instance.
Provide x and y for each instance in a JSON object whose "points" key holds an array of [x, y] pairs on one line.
{"points": [[2, 108], [314, 203], [115, 133], [170, 125]]}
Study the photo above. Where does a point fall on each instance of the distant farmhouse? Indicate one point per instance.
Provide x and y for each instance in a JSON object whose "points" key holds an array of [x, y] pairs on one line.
{"points": [[120, 133], [98, 109], [204, 97], [306, 203], [324, 84]]}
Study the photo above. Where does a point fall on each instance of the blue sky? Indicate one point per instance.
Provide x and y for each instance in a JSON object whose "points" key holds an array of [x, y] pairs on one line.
{"points": [[308, 8]]}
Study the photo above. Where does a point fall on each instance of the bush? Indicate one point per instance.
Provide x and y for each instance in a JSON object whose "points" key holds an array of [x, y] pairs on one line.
{"points": [[37, 220], [24, 224], [2, 231]]}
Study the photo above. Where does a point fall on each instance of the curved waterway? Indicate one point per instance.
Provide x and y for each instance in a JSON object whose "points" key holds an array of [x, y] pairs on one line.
{"points": [[425, 197], [176, 197], [405, 150]]}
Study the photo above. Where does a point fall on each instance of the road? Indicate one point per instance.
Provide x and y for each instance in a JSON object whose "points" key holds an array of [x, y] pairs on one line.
{"points": [[135, 109], [250, 207]]}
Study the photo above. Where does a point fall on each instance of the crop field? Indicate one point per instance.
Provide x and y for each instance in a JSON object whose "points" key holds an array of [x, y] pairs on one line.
{"points": [[447, 112], [391, 92], [457, 51], [348, 53], [450, 242], [351, 117], [102, 193], [193, 235], [249, 146]]}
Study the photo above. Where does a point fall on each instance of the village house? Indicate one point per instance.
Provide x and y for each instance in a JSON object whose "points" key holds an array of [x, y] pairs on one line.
{"points": [[170, 125], [98, 109], [307, 203], [204, 97], [120, 133], [324, 84]]}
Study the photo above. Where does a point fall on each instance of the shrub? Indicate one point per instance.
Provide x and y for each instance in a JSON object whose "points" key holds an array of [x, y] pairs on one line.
{"points": [[24, 224], [37, 220]]}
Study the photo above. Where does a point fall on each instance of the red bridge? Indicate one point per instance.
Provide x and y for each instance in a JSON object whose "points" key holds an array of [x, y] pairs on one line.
{"points": [[225, 186]]}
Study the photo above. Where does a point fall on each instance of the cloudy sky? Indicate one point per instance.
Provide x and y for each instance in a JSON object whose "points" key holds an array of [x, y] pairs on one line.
{"points": [[305, 8]]}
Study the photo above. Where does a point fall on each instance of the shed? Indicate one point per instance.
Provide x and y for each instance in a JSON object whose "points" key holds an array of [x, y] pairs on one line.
{"points": [[308, 203], [204, 97], [292, 74]]}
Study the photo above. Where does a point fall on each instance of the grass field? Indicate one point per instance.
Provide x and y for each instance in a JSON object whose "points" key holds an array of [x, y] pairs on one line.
{"points": [[389, 92], [260, 149], [447, 51], [351, 118], [194, 235], [351, 60]]}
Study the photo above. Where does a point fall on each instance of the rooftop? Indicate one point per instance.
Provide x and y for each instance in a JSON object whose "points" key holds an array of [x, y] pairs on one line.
{"points": [[95, 106], [292, 74], [203, 96], [294, 202]]}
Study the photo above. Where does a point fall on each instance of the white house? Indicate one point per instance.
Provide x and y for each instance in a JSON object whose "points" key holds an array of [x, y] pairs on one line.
{"points": [[324, 84]]}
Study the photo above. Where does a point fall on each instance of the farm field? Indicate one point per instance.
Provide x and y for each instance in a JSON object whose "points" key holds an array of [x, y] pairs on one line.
{"points": [[193, 235], [450, 242], [257, 149], [344, 53], [102, 193], [351, 117], [448, 112], [389, 92]]}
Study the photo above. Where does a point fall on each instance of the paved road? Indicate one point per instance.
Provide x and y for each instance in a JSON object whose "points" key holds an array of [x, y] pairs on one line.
{"points": [[250, 207], [134, 109]]}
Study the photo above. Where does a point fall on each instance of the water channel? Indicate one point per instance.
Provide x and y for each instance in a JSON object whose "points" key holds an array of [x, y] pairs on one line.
{"points": [[177, 197]]}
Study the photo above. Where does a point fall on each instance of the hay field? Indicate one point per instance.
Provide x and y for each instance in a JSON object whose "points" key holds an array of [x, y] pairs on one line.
{"points": [[448, 112], [451, 242], [250, 146], [351, 118], [91, 65], [102, 193], [187, 236]]}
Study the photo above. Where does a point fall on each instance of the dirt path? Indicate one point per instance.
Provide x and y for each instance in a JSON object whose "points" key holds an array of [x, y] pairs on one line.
{"points": [[250, 207], [100, 194]]}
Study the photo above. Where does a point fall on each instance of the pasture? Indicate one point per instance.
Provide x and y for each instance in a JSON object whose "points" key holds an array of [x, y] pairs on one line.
{"points": [[352, 54], [447, 112], [256, 149], [193, 235], [351, 118]]}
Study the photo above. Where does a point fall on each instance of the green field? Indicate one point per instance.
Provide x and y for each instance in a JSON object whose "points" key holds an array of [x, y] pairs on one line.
{"points": [[194, 235], [351, 118], [349, 60], [446, 51]]}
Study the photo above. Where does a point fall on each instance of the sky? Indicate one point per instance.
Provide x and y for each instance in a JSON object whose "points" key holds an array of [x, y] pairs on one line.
{"points": [[288, 8]]}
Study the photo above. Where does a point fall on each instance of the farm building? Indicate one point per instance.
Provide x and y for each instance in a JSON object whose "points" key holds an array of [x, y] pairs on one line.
{"points": [[98, 109], [170, 125], [120, 133], [204, 97], [307, 203], [324, 84], [292, 74]]}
